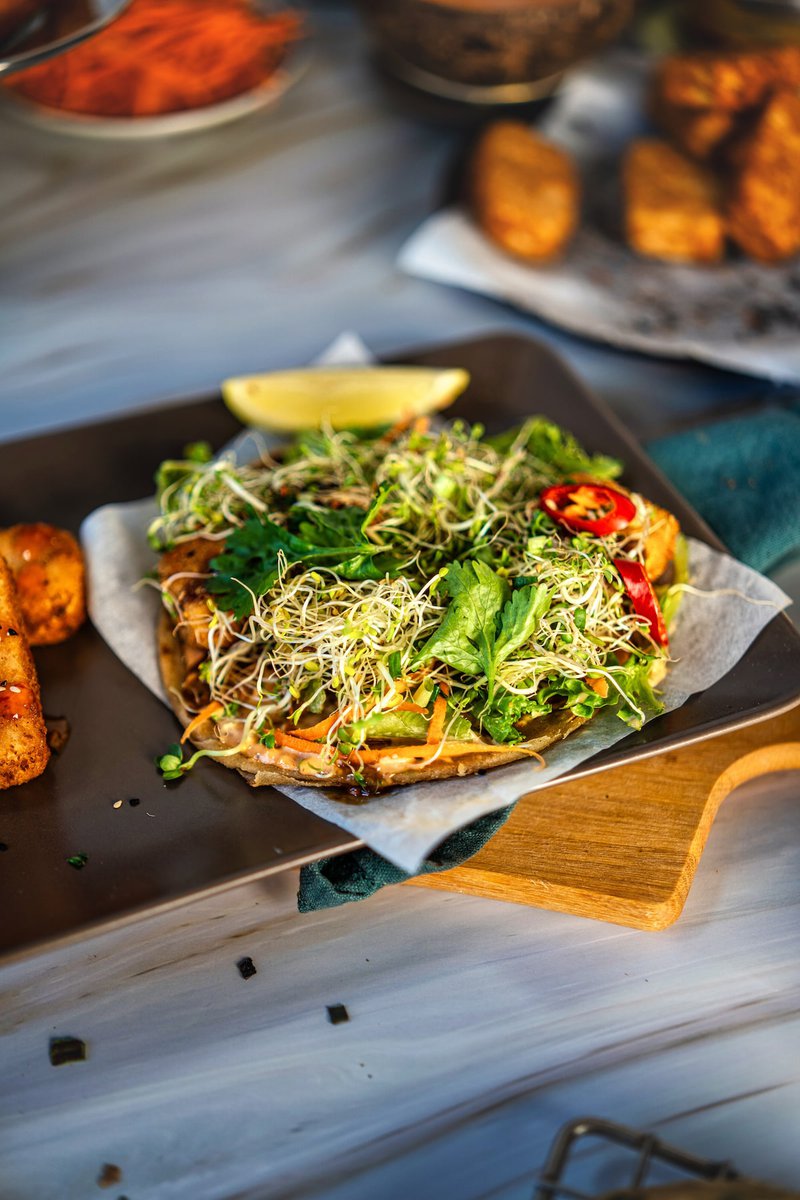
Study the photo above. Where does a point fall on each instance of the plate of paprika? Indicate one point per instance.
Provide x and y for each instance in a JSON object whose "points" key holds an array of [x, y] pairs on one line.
{"points": [[166, 67]]}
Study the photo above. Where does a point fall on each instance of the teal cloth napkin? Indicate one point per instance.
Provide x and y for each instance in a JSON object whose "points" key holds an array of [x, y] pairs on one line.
{"points": [[743, 476], [356, 875]]}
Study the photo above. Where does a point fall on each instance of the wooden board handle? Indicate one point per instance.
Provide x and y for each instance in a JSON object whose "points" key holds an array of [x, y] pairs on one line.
{"points": [[623, 845]]}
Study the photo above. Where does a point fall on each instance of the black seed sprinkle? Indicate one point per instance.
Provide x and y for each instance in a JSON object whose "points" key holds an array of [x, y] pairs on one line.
{"points": [[134, 800], [67, 1050], [3, 846], [337, 1014], [11, 633], [247, 968]]}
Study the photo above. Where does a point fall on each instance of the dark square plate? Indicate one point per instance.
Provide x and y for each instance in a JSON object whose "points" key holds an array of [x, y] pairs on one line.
{"points": [[212, 830]]}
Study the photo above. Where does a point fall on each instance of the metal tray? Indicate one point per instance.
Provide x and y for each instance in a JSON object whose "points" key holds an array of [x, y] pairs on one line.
{"points": [[211, 830]]}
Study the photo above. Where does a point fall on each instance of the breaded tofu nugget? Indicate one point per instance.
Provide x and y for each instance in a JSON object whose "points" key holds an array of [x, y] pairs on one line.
{"points": [[763, 213], [672, 205], [23, 736], [731, 82], [48, 570], [525, 192], [698, 132]]}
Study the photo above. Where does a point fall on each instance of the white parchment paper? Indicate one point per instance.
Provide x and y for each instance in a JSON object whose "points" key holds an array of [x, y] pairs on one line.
{"points": [[713, 632], [737, 314]]}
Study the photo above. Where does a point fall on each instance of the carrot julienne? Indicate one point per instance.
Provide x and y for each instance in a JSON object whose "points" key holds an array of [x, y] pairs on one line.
{"points": [[436, 727], [210, 710]]}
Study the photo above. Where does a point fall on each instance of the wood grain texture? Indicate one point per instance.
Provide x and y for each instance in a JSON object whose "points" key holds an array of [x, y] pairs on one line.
{"points": [[623, 845]]}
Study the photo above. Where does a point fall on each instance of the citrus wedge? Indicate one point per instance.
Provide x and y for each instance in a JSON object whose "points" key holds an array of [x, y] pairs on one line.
{"points": [[344, 397]]}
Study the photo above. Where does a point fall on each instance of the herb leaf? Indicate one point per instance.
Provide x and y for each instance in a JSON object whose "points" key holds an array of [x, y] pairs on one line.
{"points": [[558, 449], [465, 639], [486, 623], [520, 618], [329, 537]]}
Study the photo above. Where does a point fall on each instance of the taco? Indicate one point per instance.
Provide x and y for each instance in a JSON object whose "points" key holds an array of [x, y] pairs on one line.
{"points": [[375, 609]]}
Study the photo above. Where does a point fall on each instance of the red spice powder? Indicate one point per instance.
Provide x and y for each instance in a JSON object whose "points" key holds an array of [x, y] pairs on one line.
{"points": [[163, 56]]}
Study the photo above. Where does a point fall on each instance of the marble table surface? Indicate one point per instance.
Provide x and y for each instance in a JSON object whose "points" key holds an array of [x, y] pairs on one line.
{"points": [[136, 273]]}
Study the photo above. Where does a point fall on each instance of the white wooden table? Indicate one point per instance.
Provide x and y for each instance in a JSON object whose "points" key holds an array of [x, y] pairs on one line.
{"points": [[136, 273]]}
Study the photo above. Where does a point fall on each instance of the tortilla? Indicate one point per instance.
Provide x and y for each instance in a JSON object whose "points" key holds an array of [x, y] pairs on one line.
{"points": [[550, 729]]}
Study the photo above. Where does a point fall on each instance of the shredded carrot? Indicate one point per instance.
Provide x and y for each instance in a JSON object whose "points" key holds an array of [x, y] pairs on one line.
{"points": [[407, 706], [315, 733], [436, 727], [293, 743], [599, 685], [210, 710]]}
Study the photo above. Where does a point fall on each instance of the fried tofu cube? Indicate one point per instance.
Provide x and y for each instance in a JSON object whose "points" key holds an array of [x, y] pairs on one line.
{"points": [[48, 570], [24, 752], [698, 132], [672, 205], [731, 82], [525, 192], [763, 213]]}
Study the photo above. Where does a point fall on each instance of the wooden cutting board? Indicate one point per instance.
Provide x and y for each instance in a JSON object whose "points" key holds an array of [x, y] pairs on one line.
{"points": [[623, 845]]}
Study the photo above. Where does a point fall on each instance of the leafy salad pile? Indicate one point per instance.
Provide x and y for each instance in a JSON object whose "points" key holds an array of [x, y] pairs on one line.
{"points": [[407, 587]]}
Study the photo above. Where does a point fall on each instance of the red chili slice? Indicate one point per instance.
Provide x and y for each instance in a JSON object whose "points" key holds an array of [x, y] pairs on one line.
{"points": [[643, 598], [588, 507]]}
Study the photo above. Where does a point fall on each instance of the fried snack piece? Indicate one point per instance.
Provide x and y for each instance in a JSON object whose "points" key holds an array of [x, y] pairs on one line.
{"points": [[698, 132], [672, 207], [47, 565], [525, 192], [727, 81], [763, 213], [659, 547], [23, 736]]}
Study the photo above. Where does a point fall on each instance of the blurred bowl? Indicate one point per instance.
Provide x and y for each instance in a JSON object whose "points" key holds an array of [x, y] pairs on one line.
{"points": [[15, 15], [490, 51]]}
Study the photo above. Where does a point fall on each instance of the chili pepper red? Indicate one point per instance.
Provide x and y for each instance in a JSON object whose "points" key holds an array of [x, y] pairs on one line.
{"points": [[571, 504], [643, 598]]}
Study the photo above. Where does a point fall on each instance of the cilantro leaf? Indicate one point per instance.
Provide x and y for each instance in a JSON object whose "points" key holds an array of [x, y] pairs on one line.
{"points": [[249, 563], [520, 619], [465, 639], [486, 623]]}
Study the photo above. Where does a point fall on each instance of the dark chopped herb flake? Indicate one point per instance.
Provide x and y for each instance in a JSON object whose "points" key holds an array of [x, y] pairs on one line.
{"points": [[78, 861], [110, 1174], [58, 733], [134, 800], [67, 1050], [247, 968], [3, 846], [337, 1014]]}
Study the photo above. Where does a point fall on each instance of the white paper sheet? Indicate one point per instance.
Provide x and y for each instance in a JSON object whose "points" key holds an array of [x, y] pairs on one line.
{"points": [[405, 824], [738, 314]]}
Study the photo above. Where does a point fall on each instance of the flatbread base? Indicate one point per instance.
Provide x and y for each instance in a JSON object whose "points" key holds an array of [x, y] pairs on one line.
{"points": [[553, 728]]}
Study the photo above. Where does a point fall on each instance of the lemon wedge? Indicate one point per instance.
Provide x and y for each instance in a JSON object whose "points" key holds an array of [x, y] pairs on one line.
{"points": [[344, 397]]}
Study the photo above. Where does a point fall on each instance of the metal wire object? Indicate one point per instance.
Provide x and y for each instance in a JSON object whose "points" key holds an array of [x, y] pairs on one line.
{"points": [[645, 1153]]}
